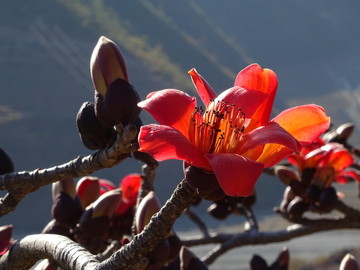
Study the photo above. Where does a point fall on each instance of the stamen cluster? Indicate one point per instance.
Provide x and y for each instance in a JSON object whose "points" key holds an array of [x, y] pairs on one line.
{"points": [[218, 129]]}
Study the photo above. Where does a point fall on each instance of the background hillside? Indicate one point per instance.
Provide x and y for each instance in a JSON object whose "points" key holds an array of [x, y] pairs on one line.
{"points": [[46, 46]]}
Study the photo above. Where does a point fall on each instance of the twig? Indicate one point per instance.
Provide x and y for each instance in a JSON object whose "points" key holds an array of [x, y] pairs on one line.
{"points": [[230, 241], [202, 226]]}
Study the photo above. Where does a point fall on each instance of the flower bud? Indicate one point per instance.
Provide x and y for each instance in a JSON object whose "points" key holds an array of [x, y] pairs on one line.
{"points": [[345, 131], [107, 203], [258, 263], [119, 106], [88, 190], [313, 193], [106, 185], [5, 238], [93, 135], [148, 206], [106, 65], [6, 164], [282, 261], [327, 199], [219, 211], [349, 262], [297, 207], [54, 227], [188, 261], [206, 184], [285, 174]]}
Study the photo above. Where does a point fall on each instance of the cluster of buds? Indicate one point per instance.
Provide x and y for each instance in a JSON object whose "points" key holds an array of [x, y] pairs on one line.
{"points": [[115, 100], [221, 209], [94, 211], [318, 165]]}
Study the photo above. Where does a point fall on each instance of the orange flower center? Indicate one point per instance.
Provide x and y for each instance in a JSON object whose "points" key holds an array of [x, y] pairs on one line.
{"points": [[218, 129]]}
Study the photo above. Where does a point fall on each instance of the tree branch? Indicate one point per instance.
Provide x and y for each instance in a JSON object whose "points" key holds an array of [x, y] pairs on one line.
{"points": [[230, 241], [21, 183], [71, 255]]}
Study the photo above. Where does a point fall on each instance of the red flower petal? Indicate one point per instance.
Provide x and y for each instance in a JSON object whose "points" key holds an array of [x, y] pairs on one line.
{"points": [[306, 123], [170, 107], [254, 77], [204, 89], [269, 133], [247, 101], [236, 174], [130, 186], [164, 142]]}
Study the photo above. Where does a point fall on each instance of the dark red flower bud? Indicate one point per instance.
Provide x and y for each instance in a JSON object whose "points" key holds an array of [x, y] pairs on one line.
{"points": [[118, 106], [188, 261], [65, 209], [313, 193], [92, 227], [282, 261], [258, 263], [175, 246], [349, 262], [6, 164], [92, 134], [327, 199], [285, 174], [206, 184], [307, 175], [54, 227], [297, 207], [160, 253], [298, 188]]}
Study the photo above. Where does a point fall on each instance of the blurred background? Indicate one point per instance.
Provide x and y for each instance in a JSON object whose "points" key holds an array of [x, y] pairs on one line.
{"points": [[45, 48]]}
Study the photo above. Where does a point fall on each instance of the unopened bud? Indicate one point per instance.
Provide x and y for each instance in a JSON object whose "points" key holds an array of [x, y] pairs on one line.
{"points": [[285, 174], [148, 206], [106, 65], [107, 203], [349, 262], [88, 190]]}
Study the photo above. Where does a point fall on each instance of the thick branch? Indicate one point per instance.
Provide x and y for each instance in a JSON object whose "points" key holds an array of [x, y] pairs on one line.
{"points": [[27, 251], [21, 183], [71, 255]]}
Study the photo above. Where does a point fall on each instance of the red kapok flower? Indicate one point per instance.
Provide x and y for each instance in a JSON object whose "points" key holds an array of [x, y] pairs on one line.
{"points": [[232, 137], [330, 163], [129, 186]]}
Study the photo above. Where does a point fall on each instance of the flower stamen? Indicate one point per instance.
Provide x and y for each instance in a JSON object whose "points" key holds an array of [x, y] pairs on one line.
{"points": [[218, 129]]}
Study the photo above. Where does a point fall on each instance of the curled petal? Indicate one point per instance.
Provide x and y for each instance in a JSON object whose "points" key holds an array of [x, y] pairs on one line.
{"points": [[241, 178], [170, 107], [269, 133], [254, 77], [306, 123], [204, 89], [164, 142]]}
